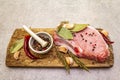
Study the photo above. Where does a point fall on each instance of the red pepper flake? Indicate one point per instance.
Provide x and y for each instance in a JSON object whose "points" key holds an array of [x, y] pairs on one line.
{"points": [[76, 50], [81, 35], [89, 34], [44, 48], [93, 49], [90, 42], [86, 33], [85, 40], [74, 35]]}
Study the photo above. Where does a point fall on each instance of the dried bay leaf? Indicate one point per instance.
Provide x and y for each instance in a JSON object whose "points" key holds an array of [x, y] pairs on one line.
{"points": [[65, 33], [16, 46], [79, 27]]}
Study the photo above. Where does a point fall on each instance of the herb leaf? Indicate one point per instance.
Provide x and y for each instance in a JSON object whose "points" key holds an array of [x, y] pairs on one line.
{"points": [[78, 62], [79, 27], [16, 46], [65, 33]]}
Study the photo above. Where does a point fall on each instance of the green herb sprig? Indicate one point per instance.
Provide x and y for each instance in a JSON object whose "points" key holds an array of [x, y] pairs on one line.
{"points": [[78, 62]]}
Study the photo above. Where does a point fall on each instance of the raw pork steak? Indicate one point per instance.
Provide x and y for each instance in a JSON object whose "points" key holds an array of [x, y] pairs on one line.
{"points": [[87, 43]]}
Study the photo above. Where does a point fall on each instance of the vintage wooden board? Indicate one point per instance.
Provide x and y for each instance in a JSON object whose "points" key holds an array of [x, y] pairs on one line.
{"points": [[48, 60]]}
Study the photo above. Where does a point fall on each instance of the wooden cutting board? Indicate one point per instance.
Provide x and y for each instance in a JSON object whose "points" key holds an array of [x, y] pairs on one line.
{"points": [[48, 60]]}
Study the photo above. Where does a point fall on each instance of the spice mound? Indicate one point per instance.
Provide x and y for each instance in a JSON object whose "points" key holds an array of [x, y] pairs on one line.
{"points": [[38, 46]]}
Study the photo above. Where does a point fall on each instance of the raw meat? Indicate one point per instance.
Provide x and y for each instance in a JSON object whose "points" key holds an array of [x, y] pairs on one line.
{"points": [[87, 43]]}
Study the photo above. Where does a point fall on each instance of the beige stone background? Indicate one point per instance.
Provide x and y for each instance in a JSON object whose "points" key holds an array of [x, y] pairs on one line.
{"points": [[48, 13]]}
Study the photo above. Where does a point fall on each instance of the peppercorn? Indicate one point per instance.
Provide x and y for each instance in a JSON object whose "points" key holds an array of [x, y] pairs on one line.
{"points": [[85, 40]]}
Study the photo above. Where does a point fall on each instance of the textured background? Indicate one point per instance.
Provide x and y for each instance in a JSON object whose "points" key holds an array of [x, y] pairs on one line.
{"points": [[48, 13]]}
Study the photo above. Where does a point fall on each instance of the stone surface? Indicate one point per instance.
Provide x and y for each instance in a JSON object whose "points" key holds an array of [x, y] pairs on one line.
{"points": [[48, 13]]}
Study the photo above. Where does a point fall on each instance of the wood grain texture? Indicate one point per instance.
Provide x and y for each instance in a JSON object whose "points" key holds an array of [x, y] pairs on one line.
{"points": [[48, 60]]}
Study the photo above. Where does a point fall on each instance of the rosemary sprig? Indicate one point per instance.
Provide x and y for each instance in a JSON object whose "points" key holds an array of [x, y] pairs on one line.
{"points": [[63, 60], [79, 63]]}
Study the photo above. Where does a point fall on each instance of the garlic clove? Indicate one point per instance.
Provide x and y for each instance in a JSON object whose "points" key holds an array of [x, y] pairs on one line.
{"points": [[62, 49], [68, 26], [16, 55], [105, 32], [69, 60]]}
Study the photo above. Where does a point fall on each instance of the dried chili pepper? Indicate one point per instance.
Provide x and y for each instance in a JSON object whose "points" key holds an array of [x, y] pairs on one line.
{"points": [[107, 40], [26, 48]]}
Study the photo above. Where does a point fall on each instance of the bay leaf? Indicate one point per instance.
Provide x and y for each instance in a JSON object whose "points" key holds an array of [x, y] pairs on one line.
{"points": [[79, 27], [65, 33], [16, 46]]}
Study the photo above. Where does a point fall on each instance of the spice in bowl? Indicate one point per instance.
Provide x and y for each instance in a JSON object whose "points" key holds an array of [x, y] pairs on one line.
{"points": [[36, 47]]}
